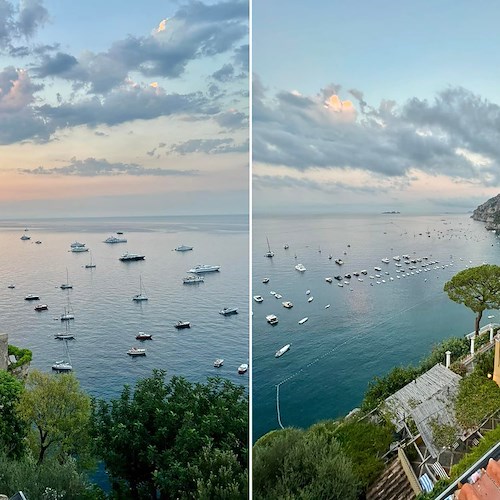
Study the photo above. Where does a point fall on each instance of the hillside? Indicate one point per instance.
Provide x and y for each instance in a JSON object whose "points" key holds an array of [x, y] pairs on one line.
{"points": [[489, 212]]}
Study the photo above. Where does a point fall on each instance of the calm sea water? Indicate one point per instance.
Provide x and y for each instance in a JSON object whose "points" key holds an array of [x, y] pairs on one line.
{"points": [[368, 328], [106, 319]]}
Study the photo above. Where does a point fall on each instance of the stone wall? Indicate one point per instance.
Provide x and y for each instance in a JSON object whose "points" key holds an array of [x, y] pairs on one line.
{"points": [[4, 350]]}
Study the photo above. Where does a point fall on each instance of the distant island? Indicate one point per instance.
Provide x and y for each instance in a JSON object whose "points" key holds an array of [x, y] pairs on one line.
{"points": [[392, 212], [489, 212]]}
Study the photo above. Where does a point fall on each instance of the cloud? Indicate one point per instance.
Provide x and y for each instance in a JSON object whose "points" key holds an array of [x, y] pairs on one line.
{"points": [[59, 64], [20, 21], [444, 137], [232, 119], [32, 15], [209, 146], [92, 167]]}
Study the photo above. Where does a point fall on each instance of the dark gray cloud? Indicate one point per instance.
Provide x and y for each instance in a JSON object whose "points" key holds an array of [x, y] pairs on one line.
{"points": [[232, 119], [446, 136], [58, 64], [209, 146], [92, 167], [224, 74], [20, 21], [32, 15]]}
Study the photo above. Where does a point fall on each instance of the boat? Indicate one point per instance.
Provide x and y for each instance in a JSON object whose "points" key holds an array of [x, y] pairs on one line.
{"points": [[67, 285], [265, 280], [144, 336], [282, 351], [327, 306], [310, 299], [364, 271], [227, 311], [77, 244], [136, 351], [272, 319], [338, 277], [91, 264], [340, 284], [385, 260], [278, 296], [63, 366], [303, 320], [339, 261], [347, 276], [41, 307], [127, 257], [377, 269], [308, 292], [38, 242], [141, 296], [330, 257], [258, 298], [182, 324], [65, 335], [119, 232], [286, 246], [11, 286], [218, 362], [79, 249], [114, 239], [242, 368], [32, 296], [67, 314], [204, 268], [328, 280], [397, 258], [25, 237], [269, 252], [183, 248], [193, 279], [300, 267], [287, 304]]}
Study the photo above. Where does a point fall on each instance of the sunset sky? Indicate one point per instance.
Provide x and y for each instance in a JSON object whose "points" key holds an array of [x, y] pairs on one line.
{"points": [[123, 108], [374, 106]]}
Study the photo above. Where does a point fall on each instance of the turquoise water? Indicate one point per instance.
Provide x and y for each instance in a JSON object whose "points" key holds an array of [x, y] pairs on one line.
{"points": [[369, 327]]}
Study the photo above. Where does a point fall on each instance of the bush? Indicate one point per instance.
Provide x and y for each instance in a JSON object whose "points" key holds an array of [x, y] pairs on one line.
{"points": [[23, 356]]}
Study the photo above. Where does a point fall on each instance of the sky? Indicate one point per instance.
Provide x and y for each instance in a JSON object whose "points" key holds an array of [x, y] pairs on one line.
{"points": [[375, 106], [123, 108]]}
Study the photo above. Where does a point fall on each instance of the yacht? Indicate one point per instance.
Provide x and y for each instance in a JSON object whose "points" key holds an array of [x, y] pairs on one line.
{"points": [[64, 336], [242, 368], [32, 296], [126, 257], [303, 320], [143, 336], [258, 298], [282, 351], [227, 311], [115, 239], [397, 258], [287, 304], [385, 260], [67, 285], [91, 264], [310, 299], [67, 314], [218, 362], [339, 261], [203, 268], [25, 237], [278, 296], [265, 280], [77, 244], [328, 280], [377, 268], [308, 292], [338, 277], [41, 307], [182, 324], [62, 366], [183, 248], [193, 279], [269, 252], [141, 296], [300, 267], [79, 249], [272, 319], [136, 351]]}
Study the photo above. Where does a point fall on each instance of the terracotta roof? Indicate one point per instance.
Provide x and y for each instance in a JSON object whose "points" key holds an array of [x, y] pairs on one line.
{"points": [[486, 485]]}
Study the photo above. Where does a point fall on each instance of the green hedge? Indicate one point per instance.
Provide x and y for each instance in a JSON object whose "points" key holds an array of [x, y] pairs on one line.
{"points": [[23, 356]]}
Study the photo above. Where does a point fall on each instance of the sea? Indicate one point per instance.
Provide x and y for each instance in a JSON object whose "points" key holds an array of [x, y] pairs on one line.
{"points": [[369, 326], [107, 320]]}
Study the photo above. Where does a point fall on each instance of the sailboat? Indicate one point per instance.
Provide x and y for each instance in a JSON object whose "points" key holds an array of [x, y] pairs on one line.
{"points": [[63, 366], [68, 313], [67, 285], [141, 295], [269, 252], [65, 335], [91, 264]]}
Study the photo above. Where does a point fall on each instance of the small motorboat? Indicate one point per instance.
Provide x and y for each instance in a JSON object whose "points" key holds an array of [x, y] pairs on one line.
{"points": [[308, 292], [303, 320], [218, 362], [136, 351], [286, 246], [62, 366], [300, 267], [193, 279], [272, 319], [227, 311], [310, 299], [328, 280], [287, 304], [327, 306], [182, 324], [278, 296], [183, 248], [258, 298], [32, 296], [38, 242], [339, 261], [265, 280], [282, 351], [11, 287], [41, 307], [144, 336], [242, 368]]}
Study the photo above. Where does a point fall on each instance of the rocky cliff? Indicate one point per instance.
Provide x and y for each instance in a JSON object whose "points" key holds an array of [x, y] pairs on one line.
{"points": [[489, 212]]}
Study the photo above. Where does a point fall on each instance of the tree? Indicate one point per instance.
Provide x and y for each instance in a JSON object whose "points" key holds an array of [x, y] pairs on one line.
{"points": [[166, 438], [478, 288], [59, 411], [12, 428]]}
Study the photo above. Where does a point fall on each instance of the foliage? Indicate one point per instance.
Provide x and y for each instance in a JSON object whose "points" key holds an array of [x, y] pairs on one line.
{"points": [[477, 398], [458, 346], [50, 480], [443, 435], [302, 465], [23, 356], [458, 368], [164, 437], [12, 428], [478, 288], [439, 487], [483, 363], [58, 410]]}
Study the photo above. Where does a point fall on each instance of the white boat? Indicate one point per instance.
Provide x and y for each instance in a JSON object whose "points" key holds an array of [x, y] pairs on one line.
{"points": [[193, 279], [127, 257], [136, 351], [340, 284], [282, 351], [377, 268], [242, 368], [218, 362], [141, 296], [327, 306], [287, 304], [144, 336], [79, 249], [25, 237], [339, 261], [272, 292], [286, 246], [114, 239], [11, 286], [32, 296], [203, 268], [41, 307], [364, 271], [300, 267], [91, 264], [67, 285], [182, 324], [269, 252], [258, 298], [272, 319], [67, 314], [303, 320], [385, 260], [67, 335], [227, 311], [328, 280], [63, 366], [310, 299], [278, 296], [77, 244], [183, 248], [308, 292], [397, 258], [265, 280]]}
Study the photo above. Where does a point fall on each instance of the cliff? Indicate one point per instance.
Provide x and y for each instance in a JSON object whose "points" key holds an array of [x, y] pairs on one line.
{"points": [[489, 212]]}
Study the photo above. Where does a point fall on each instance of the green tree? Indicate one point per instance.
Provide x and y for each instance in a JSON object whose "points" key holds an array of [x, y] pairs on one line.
{"points": [[59, 412], [164, 438], [478, 288], [307, 465], [13, 429]]}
